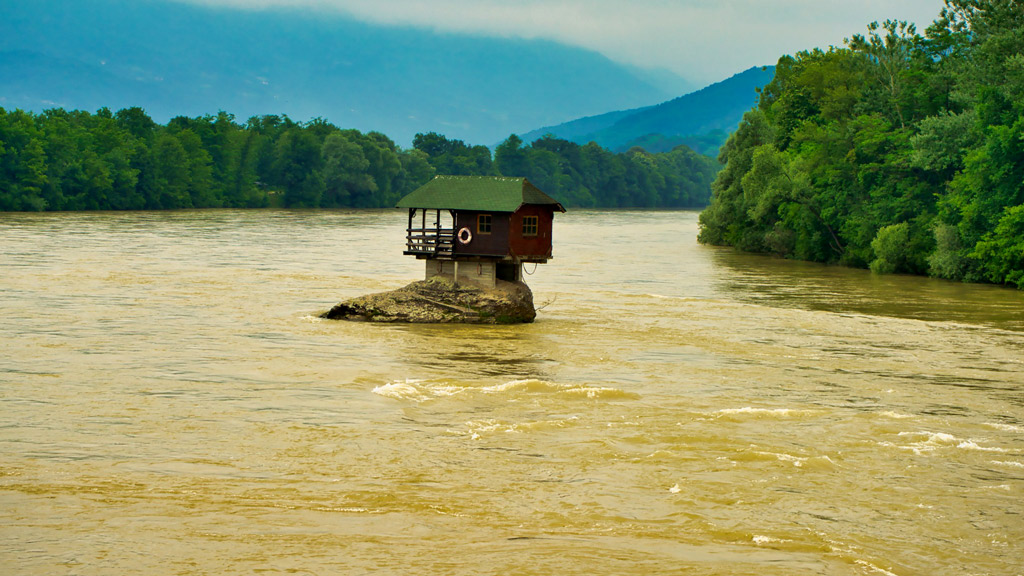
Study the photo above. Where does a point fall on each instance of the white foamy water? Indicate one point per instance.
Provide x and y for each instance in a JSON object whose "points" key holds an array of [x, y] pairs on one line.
{"points": [[171, 403], [1009, 464], [422, 391], [1006, 427], [931, 441], [417, 390], [766, 412]]}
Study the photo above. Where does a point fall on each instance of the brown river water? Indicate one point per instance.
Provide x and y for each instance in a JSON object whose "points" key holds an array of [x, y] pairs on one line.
{"points": [[171, 404]]}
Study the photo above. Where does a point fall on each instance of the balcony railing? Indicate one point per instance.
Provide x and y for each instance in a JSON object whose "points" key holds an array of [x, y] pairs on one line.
{"points": [[430, 241]]}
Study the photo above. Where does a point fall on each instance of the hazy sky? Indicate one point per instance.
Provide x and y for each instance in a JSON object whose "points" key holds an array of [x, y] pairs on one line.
{"points": [[702, 40]]}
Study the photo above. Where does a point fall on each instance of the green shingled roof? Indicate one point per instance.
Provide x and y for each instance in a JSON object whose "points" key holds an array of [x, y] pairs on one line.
{"points": [[477, 193]]}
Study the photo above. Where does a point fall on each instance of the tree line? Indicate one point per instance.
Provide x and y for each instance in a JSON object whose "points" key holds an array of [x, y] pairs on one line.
{"points": [[76, 160], [899, 151]]}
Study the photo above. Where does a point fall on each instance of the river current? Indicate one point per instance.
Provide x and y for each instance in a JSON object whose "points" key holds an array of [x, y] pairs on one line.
{"points": [[170, 403]]}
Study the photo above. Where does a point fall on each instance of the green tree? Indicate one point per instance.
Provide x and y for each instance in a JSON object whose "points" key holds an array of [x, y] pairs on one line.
{"points": [[948, 259], [297, 164], [454, 157], [201, 189], [136, 122], [510, 157], [1001, 253], [346, 173], [891, 249], [891, 57], [416, 171], [171, 173]]}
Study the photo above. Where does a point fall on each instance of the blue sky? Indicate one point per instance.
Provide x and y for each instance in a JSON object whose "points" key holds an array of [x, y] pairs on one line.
{"points": [[701, 40]]}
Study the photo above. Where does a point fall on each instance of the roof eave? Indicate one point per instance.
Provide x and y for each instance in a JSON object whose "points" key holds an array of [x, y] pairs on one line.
{"points": [[557, 207]]}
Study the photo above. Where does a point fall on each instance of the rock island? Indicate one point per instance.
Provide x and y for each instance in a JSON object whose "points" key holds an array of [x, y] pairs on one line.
{"points": [[474, 234]]}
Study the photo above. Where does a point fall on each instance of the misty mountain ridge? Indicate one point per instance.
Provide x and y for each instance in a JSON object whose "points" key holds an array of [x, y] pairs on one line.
{"points": [[179, 59], [702, 120]]}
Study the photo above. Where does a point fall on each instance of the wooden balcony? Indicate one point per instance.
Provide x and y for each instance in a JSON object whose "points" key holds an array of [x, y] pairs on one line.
{"points": [[430, 242]]}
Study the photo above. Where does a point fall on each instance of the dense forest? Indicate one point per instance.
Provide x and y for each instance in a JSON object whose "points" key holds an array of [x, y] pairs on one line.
{"points": [[75, 160], [900, 152]]}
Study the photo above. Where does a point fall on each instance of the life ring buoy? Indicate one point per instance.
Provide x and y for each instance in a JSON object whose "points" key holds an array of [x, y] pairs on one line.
{"points": [[465, 236]]}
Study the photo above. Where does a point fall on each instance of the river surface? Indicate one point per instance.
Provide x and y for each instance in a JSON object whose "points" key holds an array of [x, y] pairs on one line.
{"points": [[171, 404]]}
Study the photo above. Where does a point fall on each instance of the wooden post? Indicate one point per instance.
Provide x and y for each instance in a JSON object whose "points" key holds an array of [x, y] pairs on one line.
{"points": [[408, 231], [423, 227]]}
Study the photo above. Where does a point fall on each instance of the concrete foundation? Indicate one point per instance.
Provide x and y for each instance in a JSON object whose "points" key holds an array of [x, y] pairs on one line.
{"points": [[483, 273]]}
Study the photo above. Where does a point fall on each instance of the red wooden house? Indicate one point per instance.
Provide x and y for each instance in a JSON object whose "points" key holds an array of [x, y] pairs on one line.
{"points": [[479, 228]]}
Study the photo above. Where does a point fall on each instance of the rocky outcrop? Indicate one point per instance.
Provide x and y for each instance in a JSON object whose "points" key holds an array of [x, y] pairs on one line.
{"points": [[439, 300]]}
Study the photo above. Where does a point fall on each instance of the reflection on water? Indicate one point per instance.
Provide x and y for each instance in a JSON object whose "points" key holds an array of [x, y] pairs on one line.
{"points": [[171, 403], [778, 282]]}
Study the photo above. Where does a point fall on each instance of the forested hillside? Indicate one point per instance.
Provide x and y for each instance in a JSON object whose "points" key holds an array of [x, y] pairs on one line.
{"points": [[74, 160], [901, 152]]}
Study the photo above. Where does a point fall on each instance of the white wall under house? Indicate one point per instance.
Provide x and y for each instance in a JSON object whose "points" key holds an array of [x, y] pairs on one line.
{"points": [[482, 273]]}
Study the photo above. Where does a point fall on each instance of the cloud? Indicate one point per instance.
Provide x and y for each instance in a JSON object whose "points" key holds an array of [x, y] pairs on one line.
{"points": [[704, 40]]}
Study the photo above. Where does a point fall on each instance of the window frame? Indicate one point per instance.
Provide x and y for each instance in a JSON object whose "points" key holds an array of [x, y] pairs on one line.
{"points": [[531, 222], [482, 221]]}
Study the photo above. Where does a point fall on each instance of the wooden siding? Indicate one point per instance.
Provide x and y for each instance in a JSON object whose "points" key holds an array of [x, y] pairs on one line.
{"points": [[506, 238], [493, 244], [531, 247]]}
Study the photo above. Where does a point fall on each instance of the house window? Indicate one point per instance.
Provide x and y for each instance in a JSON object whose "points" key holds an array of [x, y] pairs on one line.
{"points": [[529, 225], [483, 224]]}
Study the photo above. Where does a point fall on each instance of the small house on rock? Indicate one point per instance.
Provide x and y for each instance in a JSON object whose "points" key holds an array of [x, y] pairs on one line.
{"points": [[479, 228]]}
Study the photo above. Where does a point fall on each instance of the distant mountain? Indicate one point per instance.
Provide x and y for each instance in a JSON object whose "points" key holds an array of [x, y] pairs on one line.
{"points": [[702, 119], [181, 59]]}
